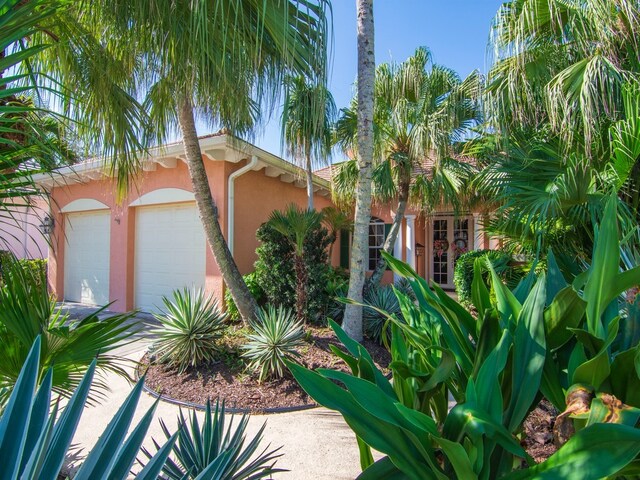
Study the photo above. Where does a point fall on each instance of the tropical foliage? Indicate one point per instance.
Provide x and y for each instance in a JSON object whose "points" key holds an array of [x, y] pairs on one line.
{"points": [[190, 329], [307, 121], [275, 338], [216, 449], [546, 337], [421, 110], [463, 273], [34, 438], [292, 266], [67, 346], [253, 284]]}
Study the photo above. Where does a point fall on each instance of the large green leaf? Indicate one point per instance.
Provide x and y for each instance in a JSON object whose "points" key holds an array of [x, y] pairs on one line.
{"points": [[624, 378], [591, 454], [565, 311], [529, 351]]}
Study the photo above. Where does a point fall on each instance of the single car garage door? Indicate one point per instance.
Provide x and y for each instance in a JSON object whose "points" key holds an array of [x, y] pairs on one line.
{"points": [[86, 257], [169, 252]]}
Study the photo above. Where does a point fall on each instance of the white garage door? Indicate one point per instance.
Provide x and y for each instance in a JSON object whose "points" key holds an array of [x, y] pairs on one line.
{"points": [[86, 257], [169, 252]]}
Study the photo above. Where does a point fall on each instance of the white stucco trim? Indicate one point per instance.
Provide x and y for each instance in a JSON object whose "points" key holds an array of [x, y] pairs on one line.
{"points": [[163, 195], [83, 205], [410, 240]]}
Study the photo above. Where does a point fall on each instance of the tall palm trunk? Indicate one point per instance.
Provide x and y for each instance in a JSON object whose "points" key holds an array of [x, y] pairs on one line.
{"points": [[309, 173], [209, 216], [352, 322], [390, 241]]}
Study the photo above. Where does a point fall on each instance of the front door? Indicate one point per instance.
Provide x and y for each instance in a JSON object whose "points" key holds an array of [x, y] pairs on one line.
{"points": [[450, 238]]}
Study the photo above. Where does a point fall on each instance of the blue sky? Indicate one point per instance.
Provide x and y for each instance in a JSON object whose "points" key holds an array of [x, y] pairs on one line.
{"points": [[456, 32]]}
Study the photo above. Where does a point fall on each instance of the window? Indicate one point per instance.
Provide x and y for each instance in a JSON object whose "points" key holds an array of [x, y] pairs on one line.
{"points": [[376, 241]]}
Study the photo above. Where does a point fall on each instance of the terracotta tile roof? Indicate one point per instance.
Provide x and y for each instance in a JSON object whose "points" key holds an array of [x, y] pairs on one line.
{"points": [[325, 173]]}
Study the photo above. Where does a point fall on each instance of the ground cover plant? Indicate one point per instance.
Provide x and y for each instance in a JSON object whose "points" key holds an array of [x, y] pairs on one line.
{"points": [[496, 367]]}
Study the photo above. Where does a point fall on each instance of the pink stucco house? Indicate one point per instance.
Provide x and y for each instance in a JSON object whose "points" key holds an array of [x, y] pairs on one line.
{"points": [[132, 252]]}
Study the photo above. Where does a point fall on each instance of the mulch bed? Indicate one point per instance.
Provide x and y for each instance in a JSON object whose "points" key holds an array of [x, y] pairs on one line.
{"points": [[226, 379], [538, 432]]}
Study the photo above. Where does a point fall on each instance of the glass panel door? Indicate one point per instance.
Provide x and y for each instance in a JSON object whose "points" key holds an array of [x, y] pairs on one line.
{"points": [[440, 247], [450, 239]]}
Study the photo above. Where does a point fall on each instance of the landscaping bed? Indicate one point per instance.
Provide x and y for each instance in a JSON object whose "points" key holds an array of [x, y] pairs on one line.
{"points": [[227, 379]]}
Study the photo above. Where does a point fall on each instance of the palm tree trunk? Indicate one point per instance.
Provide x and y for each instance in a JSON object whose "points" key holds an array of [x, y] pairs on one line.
{"points": [[390, 241], [352, 322], [301, 288], [209, 217], [309, 173]]}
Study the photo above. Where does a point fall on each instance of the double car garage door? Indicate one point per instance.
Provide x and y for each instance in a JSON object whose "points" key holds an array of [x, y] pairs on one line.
{"points": [[169, 254]]}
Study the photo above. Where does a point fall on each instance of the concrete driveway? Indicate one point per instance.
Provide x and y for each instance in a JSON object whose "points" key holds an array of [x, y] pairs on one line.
{"points": [[316, 444]]}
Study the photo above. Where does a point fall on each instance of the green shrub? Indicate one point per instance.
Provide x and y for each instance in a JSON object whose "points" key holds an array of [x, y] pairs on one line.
{"points": [[337, 286], [216, 443], [251, 279], [69, 346], [275, 270], [463, 273], [275, 339], [37, 265], [190, 329]]}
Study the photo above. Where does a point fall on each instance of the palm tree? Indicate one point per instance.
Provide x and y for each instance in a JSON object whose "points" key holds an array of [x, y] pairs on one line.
{"points": [[335, 220], [307, 118], [563, 62], [295, 225], [421, 110], [352, 322], [219, 61]]}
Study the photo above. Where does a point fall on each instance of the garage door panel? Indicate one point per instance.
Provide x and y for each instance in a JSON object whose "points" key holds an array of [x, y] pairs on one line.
{"points": [[169, 253], [86, 260]]}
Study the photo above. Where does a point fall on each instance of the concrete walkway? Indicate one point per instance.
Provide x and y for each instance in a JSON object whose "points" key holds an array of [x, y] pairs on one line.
{"points": [[316, 443]]}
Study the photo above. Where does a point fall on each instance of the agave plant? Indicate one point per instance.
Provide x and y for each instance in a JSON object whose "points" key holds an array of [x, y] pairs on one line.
{"points": [[216, 450], [34, 439], [377, 301], [276, 337], [68, 346], [190, 329]]}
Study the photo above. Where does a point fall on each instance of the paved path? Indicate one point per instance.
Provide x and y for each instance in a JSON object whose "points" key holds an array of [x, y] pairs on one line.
{"points": [[316, 444]]}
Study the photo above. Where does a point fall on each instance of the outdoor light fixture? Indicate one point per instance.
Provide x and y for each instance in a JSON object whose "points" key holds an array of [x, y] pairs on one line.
{"points": [[419, 249], [47, 225]]}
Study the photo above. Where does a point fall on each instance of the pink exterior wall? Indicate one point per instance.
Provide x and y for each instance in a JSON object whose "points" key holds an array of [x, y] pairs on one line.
{"points": [[256, 196], [121, 274], [20, 233]]}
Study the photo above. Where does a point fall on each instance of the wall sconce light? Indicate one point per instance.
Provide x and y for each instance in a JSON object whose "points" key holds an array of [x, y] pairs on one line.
{"points": [[117, 220], [47, 225], [419, 249]]}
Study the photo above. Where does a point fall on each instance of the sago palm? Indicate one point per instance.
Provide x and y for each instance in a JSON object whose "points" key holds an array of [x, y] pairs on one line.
{"points": [[307, 120], [421, 110]]}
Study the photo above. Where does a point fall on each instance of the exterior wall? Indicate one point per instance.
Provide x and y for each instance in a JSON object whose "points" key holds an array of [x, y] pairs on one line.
{"points": [[256, 196], [122, 240], [21, 234]]}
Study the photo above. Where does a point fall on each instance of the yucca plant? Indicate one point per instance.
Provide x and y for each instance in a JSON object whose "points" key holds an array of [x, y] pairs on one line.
{"points": [[275, 339], [27, 311], [191, 328], [216, 450], [34, 438]]}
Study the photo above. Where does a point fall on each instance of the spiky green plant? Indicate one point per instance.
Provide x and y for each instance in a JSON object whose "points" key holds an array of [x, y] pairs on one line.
{"points": [[27, 311], [217, 449], [191, 327], [378, 300], [34, 439], [275, 339]]}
